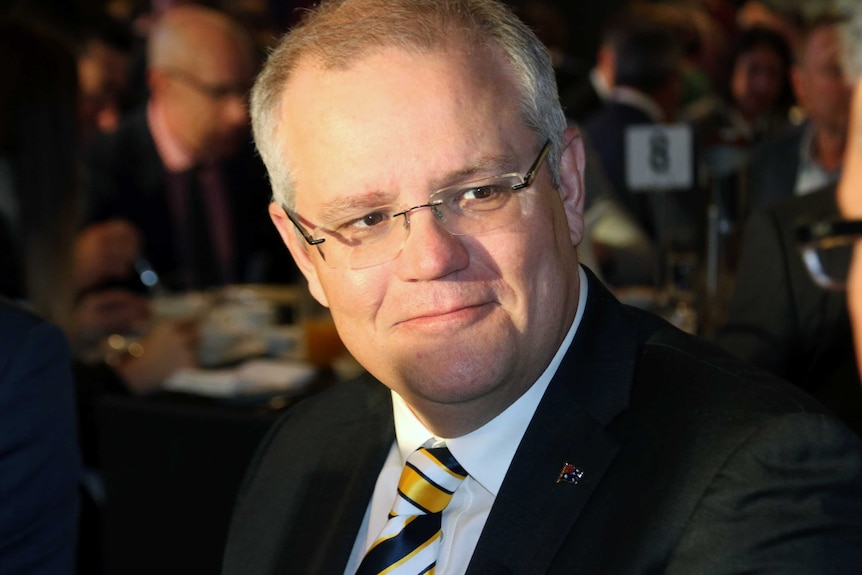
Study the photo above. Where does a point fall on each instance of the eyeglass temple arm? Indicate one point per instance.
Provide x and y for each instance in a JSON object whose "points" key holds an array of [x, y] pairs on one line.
{"points": [[531, 173], [310, 240]]}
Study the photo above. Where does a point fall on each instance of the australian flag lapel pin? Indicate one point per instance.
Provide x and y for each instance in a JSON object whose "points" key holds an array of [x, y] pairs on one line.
{"points": [[570, 474]]}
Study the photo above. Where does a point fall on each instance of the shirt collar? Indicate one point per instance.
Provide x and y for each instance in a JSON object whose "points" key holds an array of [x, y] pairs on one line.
{"points": [[811, 174], [600, 85], [639, 100], [176, 157], [487, 452], [806, 142]]}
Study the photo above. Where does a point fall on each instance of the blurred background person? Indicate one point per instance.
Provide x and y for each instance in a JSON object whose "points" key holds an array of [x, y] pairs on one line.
{"points": [[647, 86], [583, 96], [646, 67], [646, 90], [40, 468], [105, 49], [786, 18], [583, 83], [778, 317], [753, 103], [809, 156], [39, 172], [39, 457], [40, 199], [614, 246], [181, 170]]}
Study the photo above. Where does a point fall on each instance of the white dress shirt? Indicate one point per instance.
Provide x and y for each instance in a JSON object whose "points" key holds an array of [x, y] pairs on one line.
{"points": [[811, 175], [484, 453], [639, 100]]}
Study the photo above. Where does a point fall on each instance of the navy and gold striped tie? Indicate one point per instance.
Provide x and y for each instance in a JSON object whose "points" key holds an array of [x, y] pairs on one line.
{"points": [[410, 540]]}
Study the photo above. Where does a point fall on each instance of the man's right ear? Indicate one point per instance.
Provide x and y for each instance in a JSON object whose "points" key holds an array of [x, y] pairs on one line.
{"points": [[298, 248]]}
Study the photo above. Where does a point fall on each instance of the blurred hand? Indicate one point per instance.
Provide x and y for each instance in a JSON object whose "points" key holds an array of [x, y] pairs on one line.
{"points": [[105, 251], [100, 313], [167, 347]]}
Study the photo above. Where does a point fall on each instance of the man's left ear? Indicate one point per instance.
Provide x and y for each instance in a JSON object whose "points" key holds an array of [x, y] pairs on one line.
{"points": [[572, 166]]}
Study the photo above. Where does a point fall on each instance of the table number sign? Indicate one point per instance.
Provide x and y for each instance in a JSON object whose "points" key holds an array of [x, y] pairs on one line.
{"points": [[659, 157]]}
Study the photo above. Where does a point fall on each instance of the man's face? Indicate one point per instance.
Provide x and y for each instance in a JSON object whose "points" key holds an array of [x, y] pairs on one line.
{"points": [[205, 97], [102, 74], [460, 326], [819, 80]]}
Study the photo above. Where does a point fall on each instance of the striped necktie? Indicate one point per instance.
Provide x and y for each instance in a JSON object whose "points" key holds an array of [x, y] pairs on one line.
{"points": [[410, 540]]}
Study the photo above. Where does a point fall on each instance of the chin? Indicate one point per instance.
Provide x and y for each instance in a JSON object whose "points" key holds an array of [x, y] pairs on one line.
{"points": [[448, 379]]}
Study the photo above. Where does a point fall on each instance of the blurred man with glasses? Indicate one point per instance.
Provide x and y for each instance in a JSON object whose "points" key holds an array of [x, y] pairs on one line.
{"points": [[182, 170], [426, 184]]}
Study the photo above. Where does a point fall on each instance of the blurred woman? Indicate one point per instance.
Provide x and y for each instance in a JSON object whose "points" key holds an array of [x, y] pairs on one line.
{"points": [[39, 179], [40, 206], [754, 101], [39, 455]]}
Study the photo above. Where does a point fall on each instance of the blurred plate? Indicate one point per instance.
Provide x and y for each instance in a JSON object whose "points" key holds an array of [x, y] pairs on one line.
{"points": [[252, 378]]}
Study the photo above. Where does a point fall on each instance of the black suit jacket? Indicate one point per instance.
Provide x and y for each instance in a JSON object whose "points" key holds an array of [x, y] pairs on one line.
{"points": [[773, 168], [693, 463], [781, 320], [128, 180]]}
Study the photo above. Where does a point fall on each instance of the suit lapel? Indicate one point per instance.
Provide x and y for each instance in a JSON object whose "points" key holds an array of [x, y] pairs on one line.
{"points": [[534, 512]]}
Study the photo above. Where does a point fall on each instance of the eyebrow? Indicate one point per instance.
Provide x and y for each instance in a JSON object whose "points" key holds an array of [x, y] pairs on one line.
{"points": [[485, 166], [337, 208]]}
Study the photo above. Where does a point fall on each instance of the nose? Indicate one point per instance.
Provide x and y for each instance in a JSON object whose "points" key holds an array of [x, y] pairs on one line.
{"points": [[429, 251]]}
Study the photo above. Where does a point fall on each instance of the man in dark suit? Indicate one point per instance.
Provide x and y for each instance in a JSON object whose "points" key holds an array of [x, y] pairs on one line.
{"points": [[40, 469], [435, 208], [781, 320], [647, 86], [182, 170]]}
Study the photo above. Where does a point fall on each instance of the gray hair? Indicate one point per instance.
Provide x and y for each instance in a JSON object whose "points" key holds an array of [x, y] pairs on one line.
{"points": [[851, 32], [341, 32]]}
